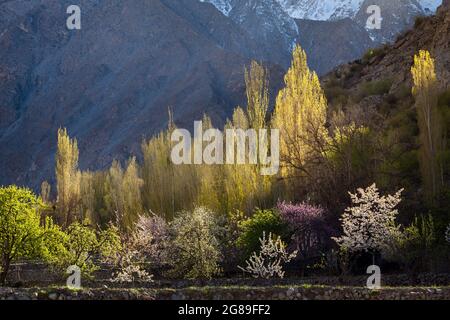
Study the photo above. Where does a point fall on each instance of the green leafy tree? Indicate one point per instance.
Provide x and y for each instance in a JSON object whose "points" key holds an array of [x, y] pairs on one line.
{"points": [[79, 245], [252, 229], [413, 248], [21, 232]]}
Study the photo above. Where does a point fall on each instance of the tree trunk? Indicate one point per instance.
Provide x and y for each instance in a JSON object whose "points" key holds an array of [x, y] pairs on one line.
{"points": [[4, 273], [6, 262]]}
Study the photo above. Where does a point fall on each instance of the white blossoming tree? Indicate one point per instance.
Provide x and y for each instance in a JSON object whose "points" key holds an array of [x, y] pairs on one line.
{"points": [[369, 224], [270, 260], [143, 250]]}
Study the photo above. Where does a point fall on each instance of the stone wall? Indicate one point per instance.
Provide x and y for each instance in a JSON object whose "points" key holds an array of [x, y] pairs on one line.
{"points": [[229, 293]]}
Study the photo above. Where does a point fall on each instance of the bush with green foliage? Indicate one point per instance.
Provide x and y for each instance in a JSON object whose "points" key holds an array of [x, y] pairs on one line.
{"points": [[196, 253], [253, 228], [375, 88], [21, 231], [337, 95], [413, 247], [372, 53], [84, 247]]}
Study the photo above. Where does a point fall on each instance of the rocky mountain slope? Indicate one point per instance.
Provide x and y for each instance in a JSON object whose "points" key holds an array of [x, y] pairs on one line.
{"points": [[318, 25], [321, 10], [394, 61], [112, 82], [326, 50], [341, 9], [268, 24], [397, 15], [387, 71], [329, 9]]}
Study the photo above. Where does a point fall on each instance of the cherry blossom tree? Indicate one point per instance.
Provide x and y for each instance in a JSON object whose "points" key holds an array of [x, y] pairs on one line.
{"points": [[308, 225], [369, 224], [270, 260], [143, 251]]}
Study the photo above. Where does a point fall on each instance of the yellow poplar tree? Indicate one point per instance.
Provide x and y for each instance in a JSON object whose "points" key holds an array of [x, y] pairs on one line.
{"points": [[167, 188], [257, 89], [114, 195], [240, 120], [211, 178], [87, 196], [300, 115], [425, 91], [67, 178], [131, 186], [124, 193], [45, 192], [238, 179]]}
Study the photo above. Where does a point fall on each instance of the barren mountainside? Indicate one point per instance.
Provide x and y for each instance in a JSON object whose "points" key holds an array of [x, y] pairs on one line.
{"points": [[394, 61], [396, 15], [112, 82]]}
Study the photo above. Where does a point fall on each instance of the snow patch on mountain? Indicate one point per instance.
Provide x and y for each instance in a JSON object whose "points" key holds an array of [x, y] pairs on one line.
{"points": [[430, 5], [269, 11], [323, 10], [223, 6]]}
